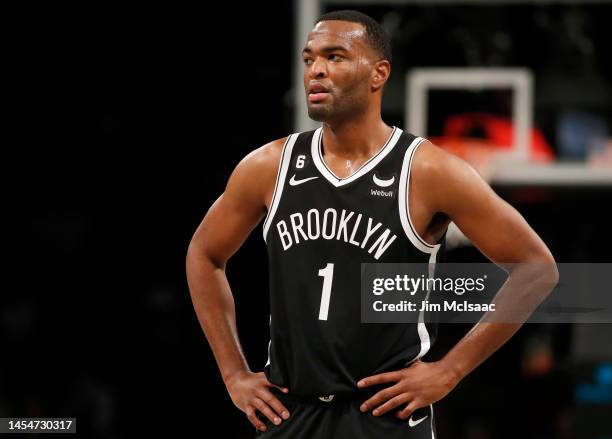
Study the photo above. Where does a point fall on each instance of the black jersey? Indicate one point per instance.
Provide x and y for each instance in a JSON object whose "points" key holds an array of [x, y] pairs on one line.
{"points": [[318, 231]]}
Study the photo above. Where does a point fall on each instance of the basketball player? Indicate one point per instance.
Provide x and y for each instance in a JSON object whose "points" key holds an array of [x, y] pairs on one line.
{"points": [[353, 190]]}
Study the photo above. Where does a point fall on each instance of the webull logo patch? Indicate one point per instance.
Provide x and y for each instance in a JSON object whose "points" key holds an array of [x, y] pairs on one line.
{"points": [[382, 193]]}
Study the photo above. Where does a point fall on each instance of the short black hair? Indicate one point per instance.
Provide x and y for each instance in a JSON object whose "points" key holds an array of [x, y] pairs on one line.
{"points": [[376, 36]]}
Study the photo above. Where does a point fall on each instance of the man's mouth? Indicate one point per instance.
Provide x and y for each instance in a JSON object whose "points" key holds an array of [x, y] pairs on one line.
{"points": [[316, 97], [317, 92]]}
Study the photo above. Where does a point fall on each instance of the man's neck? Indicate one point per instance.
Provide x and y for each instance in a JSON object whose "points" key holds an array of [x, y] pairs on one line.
{"points": [[355, 138]]}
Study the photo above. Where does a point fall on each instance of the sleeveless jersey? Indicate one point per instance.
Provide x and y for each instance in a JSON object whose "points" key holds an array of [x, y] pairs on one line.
{"points": [[318, 230]]}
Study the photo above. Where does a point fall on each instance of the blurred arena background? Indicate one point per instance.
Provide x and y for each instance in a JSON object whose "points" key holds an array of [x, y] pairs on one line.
{"points": [[127, 124]]}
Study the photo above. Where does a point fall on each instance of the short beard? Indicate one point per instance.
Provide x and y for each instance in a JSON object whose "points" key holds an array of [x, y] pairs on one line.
{"points": [[348, 107], [320, 114]]}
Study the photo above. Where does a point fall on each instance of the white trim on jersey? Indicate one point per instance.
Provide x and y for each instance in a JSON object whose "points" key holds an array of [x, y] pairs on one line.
{"points": [[317, 157], [403, 193], [269, 344], [417, 241], [433, 436], [421, 327], [280, 181]]}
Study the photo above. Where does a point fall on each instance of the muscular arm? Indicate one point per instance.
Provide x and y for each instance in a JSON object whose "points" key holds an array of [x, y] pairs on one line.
{"points": [[456, 191], [222, 232], [502, 235]]}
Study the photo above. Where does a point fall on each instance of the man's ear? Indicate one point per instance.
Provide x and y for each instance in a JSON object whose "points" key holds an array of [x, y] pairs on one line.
{"points": [[380, 73]]}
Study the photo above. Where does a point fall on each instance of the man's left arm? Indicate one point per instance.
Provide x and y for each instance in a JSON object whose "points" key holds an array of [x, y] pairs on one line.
{"points": [[502, 235]]}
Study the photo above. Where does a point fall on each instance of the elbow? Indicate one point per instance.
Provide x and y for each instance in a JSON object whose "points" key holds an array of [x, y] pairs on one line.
{"points": [[550, 277], [538, 270], [554, 273], [546, 271], [199, 255], [550, 271], [193, 249], [196, 253]]}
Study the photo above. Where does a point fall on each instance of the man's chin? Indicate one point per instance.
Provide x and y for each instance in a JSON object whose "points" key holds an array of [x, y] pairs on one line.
{"points": [[318, 114]]}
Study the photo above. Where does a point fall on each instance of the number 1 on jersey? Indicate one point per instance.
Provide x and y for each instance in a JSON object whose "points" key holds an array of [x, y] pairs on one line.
{"points": [[327, 273]]}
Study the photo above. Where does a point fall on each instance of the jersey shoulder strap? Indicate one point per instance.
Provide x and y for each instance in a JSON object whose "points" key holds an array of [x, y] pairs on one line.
{"points": [[294, 141]]}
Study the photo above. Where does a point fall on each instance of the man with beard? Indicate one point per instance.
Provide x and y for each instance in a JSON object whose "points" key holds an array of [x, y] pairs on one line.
{"points": [[353, 190]]}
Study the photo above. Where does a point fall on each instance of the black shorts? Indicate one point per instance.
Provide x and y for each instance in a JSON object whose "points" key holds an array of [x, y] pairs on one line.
{"points": [[340, 418]]}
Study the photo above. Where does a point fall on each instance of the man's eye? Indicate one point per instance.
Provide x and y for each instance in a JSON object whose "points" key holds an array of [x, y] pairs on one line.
{"points": [[335, 57], [307, 61]]}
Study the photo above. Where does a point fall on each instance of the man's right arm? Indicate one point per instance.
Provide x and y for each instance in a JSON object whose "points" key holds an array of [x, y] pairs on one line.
{"points": [[225, 227]]}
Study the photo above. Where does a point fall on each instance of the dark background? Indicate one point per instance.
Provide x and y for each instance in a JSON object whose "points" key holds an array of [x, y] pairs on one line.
{"points": [[124, 130]]}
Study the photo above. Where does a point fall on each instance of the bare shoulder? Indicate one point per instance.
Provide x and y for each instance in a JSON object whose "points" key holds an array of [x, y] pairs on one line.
{"points": [[254, 177], [450, 185], [266, 158], [262, 163], [432, 160], [449, 179], [442, 168]]}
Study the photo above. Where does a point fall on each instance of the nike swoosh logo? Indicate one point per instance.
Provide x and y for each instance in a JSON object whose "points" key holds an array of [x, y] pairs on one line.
{"points": [[383, 183], [415, 423], [294, 182]]}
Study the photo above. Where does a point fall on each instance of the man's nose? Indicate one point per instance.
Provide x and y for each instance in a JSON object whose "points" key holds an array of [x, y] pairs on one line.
{"points": [[318, 68]]}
